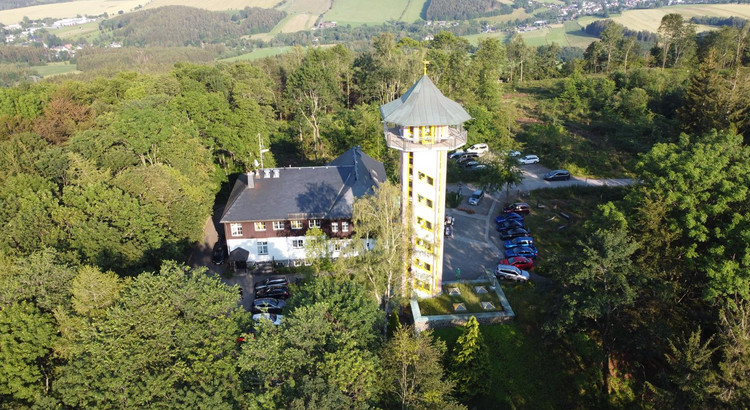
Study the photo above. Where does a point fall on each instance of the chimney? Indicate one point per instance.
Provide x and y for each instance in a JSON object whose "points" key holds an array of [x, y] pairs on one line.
{"points": [[266, 173], [250, 181], [257, 173], [276, 173]]}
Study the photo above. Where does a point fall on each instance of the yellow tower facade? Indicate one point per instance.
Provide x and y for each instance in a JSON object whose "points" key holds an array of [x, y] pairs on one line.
{"points": [[424, 125]]}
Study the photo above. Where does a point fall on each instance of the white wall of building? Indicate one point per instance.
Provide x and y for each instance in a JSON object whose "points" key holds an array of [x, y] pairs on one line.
{"points": [[282, 249]]}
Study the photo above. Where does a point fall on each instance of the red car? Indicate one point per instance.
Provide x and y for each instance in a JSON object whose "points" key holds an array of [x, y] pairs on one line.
{"points": [[520, 262]]}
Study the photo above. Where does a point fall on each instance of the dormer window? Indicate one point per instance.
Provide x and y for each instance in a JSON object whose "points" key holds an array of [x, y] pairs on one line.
{"points": [[296, 224]]}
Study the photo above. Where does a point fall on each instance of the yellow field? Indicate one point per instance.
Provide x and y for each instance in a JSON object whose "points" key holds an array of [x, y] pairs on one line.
{"points": [[517, 14], [316, 7], [69, 10], [295, 23], [650, 19], [215, 5]]}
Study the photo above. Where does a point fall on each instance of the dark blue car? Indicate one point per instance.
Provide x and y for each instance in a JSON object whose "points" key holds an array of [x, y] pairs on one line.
{"points": [[519, 241], [525, 251], [510, 216], [510, 224]]}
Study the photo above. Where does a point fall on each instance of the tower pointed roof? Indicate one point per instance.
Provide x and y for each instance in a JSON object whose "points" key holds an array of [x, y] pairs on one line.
{"points": [[423, 104]]}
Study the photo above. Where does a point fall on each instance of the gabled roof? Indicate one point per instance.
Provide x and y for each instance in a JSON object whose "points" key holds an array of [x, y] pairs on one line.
{"points": [[423, 104], [324, 192]]}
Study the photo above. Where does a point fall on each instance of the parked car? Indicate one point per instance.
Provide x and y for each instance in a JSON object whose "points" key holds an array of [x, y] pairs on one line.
{"points": [[466, 157], [519, 241], [219, 254], [525, 251], [513, 233], [557, 175], [514, 154], [508, 216], [519, 261], [476, 197], [273, 317], [510, 224], [478, 149], [518, 207], [277, 281], [470, 164], [277, 292], [455, 154], [512, 273], [475, 167], [268, 305], [528, 159]]}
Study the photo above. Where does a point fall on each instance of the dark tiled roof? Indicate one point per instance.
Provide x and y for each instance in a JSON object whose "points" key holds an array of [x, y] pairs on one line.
{"points": [[325, 192], [423, 104]]}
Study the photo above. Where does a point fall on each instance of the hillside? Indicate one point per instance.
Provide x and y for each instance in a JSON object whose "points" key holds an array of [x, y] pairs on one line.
{"points": [[172, 26]]}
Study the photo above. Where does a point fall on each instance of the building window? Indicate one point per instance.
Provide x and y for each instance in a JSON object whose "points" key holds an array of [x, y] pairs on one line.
{"points": [[314, 223], [262, 247], [334, 227], [296, 224], [423, 265], [297, 262], [424, 201], [298, 243], [421, 243], [424, 224], [337, 246], [260, 226], [424, 177], [344, 226], [236, 229], [278, 225]]}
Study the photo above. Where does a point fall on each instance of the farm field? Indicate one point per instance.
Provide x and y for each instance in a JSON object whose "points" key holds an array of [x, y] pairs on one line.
{"points": [[474, 38], [519, 14], [358, 12], [69, 10], [575, 36], [649, 19], [316, 7], [89, 31], [214, 5], [294, 23], [259, 53], [55, 69]]}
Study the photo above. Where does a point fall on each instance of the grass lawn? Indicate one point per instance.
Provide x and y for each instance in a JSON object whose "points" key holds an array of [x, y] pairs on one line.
{"points": [[443, 304], [89, 31], [474, 38], [68, 10], [650, 19], [55, 69], [577, 37]]}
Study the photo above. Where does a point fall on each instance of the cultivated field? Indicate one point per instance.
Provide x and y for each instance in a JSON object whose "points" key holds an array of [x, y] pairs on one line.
{"points": [[650, 19], [88, 31], [474, 38], [69, 10], [215, 5], [520, 14], [576, 37], [316, 7], [294, 23], [358, 12]]}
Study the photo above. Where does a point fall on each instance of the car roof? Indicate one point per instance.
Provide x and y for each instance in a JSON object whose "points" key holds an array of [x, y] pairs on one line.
{"points": [[523, 238], [477, 192]]}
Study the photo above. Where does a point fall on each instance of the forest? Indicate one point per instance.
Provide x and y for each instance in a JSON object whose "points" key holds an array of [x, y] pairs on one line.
{"points": [[176, 26], [107, 179], [448, 10]]}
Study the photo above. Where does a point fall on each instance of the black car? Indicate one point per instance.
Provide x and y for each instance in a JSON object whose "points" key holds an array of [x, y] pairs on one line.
{"points": [[513, 233], [268, 305], [521, 208], [219, 254], [277, 292], [469, 156], [270, 282], [557, 175], [510, 224]]}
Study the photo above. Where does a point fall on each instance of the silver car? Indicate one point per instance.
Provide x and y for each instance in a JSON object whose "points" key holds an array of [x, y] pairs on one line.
{"points": [[512, 273]]}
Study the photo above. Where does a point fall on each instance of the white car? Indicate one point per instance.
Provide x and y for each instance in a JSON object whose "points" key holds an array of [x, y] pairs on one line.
{"points": [[478, 148], [514, 154], [274, 318], [512, 273], [528, 159]]}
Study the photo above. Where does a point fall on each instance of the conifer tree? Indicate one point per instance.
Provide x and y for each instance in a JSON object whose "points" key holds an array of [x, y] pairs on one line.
{"points": [[470, 361]]}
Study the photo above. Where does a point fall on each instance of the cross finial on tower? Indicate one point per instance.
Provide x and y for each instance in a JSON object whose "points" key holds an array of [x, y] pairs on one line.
{"points": [[425, 62]]}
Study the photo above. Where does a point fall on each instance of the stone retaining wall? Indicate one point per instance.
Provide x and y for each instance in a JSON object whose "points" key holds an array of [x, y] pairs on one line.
{"points": [[437, 321]]}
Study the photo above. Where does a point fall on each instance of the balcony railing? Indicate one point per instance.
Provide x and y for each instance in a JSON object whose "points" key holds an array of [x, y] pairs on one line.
{"points": [[456, 138]]}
